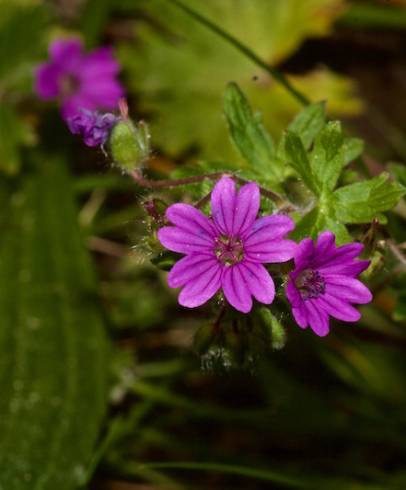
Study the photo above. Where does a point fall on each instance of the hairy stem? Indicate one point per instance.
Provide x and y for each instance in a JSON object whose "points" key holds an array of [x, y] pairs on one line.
{"points": [[275, 73]]}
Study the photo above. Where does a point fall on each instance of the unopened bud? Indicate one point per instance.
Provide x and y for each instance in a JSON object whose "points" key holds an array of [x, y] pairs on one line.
{"points": [[274, 328], [129, 144]]}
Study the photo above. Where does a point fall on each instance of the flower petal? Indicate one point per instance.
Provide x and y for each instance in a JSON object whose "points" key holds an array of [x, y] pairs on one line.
{"points": [[67, 53], [236, 290], [100, 63], [246, 208], [304, 253], [325, 243], [259, 282], [318, 318], [273, 251], [184, 242], [293, 294], [339, 255], [300, 316], [47, 81], [201, 288], [338, 309], [269, 228], [351, 268], [347, 289], [188, 268], [223, 199], [190, 219]]}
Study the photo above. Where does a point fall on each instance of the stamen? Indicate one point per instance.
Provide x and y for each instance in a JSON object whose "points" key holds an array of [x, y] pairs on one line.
{"points": [[310, 283], [228, 250]]}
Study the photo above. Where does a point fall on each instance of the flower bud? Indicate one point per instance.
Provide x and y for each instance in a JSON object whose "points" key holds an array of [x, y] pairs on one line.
{"points": [[129, 144], [274, 328]]}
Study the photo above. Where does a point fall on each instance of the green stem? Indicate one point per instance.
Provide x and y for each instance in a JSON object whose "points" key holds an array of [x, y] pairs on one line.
{"points": [[276, 74]]}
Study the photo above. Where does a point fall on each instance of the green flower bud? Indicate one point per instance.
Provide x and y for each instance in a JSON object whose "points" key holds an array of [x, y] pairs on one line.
{"points": [[129, 144], [274, 328]]}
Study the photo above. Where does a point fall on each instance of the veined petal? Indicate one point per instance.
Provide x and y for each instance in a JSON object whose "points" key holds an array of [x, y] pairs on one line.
{"points": [[300, 315], [201, 288], [236, 290], [184, 242], [325, 243], [318, 318], [337, 308], [190, 219], [348, 268], [304, 253], [293, 294], [259, 281], [223, 200], [347, 288], [274, 251], [190, 267], [246, 208], [339, 255], [269, 228]]}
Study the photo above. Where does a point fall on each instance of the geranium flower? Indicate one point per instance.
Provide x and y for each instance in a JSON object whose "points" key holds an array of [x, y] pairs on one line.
{"points": [[79, 80], [228, 249], [93, 127], [323, 283]]}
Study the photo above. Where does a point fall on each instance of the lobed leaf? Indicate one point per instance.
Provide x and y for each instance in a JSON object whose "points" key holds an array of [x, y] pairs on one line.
{"points": [[309, 122]]}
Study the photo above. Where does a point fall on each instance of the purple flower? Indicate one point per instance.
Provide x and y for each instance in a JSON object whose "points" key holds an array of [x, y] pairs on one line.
{"points": [[92, 126], [323, 283], [227, 250], [78, 79]]}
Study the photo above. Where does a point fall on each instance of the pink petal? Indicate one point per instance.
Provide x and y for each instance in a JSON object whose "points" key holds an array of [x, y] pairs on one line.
{"points": [[246, 208], [67, 53], [293, 294], [188, 268], [300, 315], [47, 81], [274, 251], [268, 228], [304, 253], [325, 242], [347, 289], [184, 242], [318, 318], [338, 309], [236, 290], [192, 220], [201, 288], [351, 268], [100, 63], [223, 199], [340, 255], [259, 282]]}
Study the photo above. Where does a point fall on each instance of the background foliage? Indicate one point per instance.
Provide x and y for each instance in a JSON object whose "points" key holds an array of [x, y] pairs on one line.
{"points": [[102, 383]]}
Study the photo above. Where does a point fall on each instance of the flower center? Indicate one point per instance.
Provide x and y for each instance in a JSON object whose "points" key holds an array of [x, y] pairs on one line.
{"points": [[69, 85], [310, 284], [228, 250]]}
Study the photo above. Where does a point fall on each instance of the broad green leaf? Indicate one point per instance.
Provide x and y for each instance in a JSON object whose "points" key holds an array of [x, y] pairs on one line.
{"points": [[327, 157], [249, 134], [297, 158], [53, 350], [185, 55], [364, 201], [309, 122]]}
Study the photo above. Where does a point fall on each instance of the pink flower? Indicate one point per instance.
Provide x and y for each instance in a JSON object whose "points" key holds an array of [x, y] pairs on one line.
{"points": [[228, 249], [79, 80], [323, 283]]}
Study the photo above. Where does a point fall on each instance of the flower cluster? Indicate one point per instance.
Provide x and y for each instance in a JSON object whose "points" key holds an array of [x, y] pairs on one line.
{"points": [[228, 249], [93, 127]]}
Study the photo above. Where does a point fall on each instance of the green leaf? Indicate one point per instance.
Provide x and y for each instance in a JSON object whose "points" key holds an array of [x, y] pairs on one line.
{"points": [[364, 201], [309, 122], [13, 133], [399, 171], [297, 158], [53, 350], [327, 157], [353, 148], [249, 134]]}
